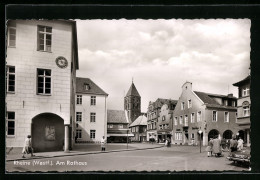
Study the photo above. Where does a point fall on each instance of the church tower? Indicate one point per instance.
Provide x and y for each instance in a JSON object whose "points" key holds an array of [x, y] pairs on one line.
{"points": [[132, 103]]}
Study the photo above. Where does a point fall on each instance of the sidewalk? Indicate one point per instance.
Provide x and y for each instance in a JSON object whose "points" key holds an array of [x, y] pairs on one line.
{"points": [[82, 149]]}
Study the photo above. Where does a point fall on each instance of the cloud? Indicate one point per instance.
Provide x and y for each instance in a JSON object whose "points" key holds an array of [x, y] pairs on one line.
{"points": [[162, 54]]}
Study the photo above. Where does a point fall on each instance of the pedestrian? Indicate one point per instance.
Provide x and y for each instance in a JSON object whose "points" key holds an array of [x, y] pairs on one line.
{"points": [[216, 146], [228, 144], [240, 144], [233, 144], [103, 144], [223, 144], [27, 149], [76, 138], [209, 147], [169, 142], [166, 143]]}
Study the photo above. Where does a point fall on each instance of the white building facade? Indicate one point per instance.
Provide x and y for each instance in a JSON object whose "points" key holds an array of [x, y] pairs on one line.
{"points": [[91, 112], [41, 65]]}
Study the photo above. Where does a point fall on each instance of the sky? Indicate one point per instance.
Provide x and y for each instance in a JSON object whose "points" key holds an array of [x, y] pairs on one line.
{"points": [[161, 55]]}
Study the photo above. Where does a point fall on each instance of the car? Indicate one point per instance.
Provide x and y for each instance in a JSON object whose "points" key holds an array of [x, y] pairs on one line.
{"points": [[241, 156]]}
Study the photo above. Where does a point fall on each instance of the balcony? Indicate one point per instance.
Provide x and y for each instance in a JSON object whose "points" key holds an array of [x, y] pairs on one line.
{"points": [[243, 120]]}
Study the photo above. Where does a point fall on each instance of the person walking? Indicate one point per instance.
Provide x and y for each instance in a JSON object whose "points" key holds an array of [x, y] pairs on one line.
{"points": [[169, 142], [233, 144], [166, 143], [103, 143], [209, 147], [27, 149], [216, 146], [240, 143]]}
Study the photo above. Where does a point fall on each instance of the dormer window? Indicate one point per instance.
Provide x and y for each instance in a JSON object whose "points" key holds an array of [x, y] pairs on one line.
{"points": [[86, 86]]}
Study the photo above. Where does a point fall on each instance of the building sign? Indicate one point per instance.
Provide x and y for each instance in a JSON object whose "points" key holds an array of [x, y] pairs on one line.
{"points": [[50, 133]]}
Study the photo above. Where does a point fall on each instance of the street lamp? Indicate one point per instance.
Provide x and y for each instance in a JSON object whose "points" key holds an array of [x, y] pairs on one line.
{"points": [[127, 139], [200, 131]]}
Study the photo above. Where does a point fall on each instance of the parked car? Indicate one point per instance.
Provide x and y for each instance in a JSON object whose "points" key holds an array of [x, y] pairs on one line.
{"points": [[242, 156]]}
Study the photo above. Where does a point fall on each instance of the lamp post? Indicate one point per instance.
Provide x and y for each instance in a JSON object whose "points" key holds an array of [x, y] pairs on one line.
{"points": [[127, 139], [200, 131]]}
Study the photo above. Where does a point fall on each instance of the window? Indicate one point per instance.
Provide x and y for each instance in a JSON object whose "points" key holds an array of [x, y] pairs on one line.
{"points": [[234, 103], [199, 116], [175, 121], [79, 133], [214, 116], [11, 34], [92, 134], [246, 111], [93, 100], [86, 87], [120, 126], [10, 78], [182, 105], [10, 123], [192, 118], [189, 103], [110, 126], [236, 117], [181, 120], [79, 99], [192, 136], [92, 117], [78, 116], [163, 118], [226, 102], [44, 38], [178, 136], [186, 120], [44, 81], [245, 92], [226, 118]]}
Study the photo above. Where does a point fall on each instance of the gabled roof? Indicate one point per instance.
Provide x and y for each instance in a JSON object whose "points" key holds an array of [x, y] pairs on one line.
{"points": [[93, 88], [132, 91], [208, 99], [246, 80], [160, 102], [141, 120], [116, 116]]}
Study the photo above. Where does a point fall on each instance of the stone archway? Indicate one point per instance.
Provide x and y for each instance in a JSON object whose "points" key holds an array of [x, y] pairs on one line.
{"points": [[227, 134], [213, 133], [47, 132]]}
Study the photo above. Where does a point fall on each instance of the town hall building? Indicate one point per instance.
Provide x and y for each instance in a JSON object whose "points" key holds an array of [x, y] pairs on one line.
{"points": [[41, 63]]}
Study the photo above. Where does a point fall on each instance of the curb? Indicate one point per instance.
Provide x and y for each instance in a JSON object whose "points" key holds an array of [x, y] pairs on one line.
{"points": [[79, 154]]}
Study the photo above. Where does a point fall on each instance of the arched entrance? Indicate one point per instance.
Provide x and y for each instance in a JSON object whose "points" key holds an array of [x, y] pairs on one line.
{"points": [[47, 132], [227, 134], [213, 133], [241, 134]]}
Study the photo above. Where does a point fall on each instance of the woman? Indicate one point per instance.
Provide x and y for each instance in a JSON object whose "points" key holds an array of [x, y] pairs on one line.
{"points": [[27, 149], [240, 144], [216, 146], [209, 147], [103, 144]]}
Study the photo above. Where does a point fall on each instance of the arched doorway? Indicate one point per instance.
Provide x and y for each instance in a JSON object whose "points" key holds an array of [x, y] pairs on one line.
{"points": [[227, 134], [241, 134], [213, 133], [47, 132]]}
